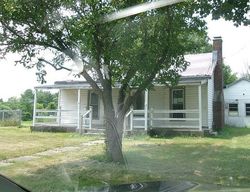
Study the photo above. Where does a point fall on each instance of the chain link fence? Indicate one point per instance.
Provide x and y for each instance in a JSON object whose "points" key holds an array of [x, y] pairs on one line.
{"points": [[10, 118]]}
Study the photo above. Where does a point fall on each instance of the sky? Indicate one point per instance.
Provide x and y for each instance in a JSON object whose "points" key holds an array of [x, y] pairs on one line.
{"points": [[14, 80]]}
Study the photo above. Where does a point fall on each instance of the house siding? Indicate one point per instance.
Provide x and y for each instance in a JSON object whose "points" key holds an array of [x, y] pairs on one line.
{"points": [[68, 105], [69, 102], [204, 100], [238, 93], [210, 92], [159, 98]]}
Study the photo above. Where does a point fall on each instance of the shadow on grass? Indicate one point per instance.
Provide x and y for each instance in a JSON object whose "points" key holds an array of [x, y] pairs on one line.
{"points": [[205, 164], [226, 133], [231, 132]]}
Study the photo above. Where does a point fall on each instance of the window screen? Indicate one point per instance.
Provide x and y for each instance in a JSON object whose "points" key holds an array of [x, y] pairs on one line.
{"points": [[233, 109], [247, 109]]}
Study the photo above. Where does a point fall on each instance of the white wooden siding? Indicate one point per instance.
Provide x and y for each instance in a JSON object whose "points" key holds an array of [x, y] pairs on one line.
{"points": [[210, 96], [68, 102], [238, 93], [204, 100], [159, 98]]}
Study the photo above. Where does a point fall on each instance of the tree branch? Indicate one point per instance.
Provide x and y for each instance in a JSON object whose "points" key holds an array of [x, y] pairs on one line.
{"points": [[91, 82], [56, 67]]}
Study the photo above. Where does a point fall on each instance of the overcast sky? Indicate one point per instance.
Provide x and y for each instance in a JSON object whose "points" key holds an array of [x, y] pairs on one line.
{"points": [[236, 52]]}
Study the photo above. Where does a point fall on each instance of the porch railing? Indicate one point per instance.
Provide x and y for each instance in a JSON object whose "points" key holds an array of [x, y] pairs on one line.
{"points": [[86, 119], [176, 119], [55, 117], [134, 119]]}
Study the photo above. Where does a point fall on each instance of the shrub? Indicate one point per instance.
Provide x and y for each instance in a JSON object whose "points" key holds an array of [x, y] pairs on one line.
{"points": [[10, 122]]}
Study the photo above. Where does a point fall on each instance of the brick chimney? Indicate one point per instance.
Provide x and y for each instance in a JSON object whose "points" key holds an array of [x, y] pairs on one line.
{"points": [[218, 102]]}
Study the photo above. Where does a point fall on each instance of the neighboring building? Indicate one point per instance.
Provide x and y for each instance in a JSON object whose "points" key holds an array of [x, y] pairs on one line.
{"points": [[195, 104], [237, 103]]}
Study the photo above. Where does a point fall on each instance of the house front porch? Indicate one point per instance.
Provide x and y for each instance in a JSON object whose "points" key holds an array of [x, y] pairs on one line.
{"points": [[183, 108], [135, 120]]}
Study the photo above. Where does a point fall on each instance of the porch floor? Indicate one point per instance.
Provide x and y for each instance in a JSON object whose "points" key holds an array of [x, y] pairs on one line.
{"points": [[155, 132]]}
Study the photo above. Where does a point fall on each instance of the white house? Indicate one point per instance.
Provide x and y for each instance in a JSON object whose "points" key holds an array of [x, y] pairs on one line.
{"points": [[237, 103], [190, 106]]}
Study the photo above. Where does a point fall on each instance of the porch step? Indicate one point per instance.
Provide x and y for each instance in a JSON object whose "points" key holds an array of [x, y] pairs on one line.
{"points": [[92, 131]]}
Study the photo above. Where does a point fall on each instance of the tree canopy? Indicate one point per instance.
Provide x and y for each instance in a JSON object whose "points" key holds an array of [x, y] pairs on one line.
{"points": [[228, 75], [246, 73], [45, 100], [135, 51]]}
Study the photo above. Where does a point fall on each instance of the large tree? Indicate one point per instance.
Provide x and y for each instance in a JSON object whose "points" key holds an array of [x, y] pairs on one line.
{"points": [[134, 51]]}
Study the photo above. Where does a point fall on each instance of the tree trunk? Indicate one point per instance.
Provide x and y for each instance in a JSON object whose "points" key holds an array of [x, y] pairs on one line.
{"points": [[114, 129]]}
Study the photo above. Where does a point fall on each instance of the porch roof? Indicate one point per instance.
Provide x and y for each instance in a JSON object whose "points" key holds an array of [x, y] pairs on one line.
{"points": [[66, 85], [201, 67]]}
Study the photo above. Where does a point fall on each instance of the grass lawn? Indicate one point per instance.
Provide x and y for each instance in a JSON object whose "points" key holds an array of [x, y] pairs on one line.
{"points": [[223, 160], [15, 142]]}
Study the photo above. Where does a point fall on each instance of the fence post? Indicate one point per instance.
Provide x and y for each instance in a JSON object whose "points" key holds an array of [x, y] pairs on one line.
{"points": [[131, 119], [90, 117]]}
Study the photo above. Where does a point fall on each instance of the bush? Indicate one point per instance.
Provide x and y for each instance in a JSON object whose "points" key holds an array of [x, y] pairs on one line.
{"points": [[26, 116], [7, 123]]}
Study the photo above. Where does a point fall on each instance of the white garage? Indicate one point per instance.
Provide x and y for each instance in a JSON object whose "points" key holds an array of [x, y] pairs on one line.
{"points": [[237, 103]]}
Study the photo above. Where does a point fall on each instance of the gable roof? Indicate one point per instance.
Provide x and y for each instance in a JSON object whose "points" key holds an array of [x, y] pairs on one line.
{"points": [[201, 65], [235, 82]]}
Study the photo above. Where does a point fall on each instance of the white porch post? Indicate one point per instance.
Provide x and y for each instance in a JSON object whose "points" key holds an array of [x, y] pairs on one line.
{"points": [[34, 108], [59, 115], [78, 109], [90, 117], [200, 108], [146, 109]]}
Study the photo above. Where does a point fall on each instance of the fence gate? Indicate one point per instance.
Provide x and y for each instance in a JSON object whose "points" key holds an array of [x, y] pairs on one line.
{"points": [[10, 117]]}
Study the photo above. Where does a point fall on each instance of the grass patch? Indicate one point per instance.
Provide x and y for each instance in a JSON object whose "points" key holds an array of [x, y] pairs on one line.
{"points": [[222, 161], [15, 142], [26, 124]]}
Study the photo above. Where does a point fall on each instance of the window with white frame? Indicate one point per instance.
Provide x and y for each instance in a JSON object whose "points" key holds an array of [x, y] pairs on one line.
{"points": [[233, 109], [247, 109]]}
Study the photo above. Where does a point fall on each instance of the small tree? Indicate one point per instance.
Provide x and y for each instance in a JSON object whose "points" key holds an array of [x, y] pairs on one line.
{"points": [[26, 104]]}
